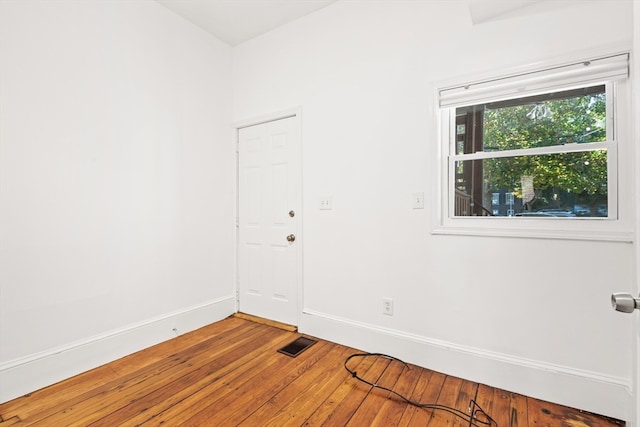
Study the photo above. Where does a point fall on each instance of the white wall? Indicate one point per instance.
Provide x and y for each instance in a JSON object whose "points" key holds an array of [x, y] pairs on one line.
{"points": [[117, 203], [635, 422], [117, 169], [531, 316]]}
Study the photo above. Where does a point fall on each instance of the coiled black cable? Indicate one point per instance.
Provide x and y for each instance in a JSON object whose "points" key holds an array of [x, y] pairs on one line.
{"points": [[476, 416]]}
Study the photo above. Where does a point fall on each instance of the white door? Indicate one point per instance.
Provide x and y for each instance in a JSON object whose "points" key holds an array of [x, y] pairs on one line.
{"points": [[269, 250]]}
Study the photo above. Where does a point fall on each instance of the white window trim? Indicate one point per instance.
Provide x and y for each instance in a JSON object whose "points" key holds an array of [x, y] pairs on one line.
{"points": [[616, 228]]}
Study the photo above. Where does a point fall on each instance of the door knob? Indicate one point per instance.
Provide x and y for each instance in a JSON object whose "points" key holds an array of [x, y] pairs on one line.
{"points": [[625, 303], [291, 238]]}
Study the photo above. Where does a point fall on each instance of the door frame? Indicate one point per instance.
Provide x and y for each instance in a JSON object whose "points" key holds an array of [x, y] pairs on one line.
{"points": [[634, 415], [266, 118]]}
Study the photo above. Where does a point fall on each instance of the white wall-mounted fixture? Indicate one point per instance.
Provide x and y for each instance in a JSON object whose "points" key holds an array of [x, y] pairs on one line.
{"points": [[326, 203], [417, 200]]}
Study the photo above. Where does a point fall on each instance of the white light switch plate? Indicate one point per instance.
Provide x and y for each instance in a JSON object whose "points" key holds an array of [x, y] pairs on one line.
{"points": [[417, 200], [326, 203]]}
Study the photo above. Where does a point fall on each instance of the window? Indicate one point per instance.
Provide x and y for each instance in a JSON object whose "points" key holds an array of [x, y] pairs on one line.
{"points": [[550, 152], [536, 145]]}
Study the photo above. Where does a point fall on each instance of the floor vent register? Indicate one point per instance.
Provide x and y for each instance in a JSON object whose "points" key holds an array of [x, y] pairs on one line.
{"points": [[297, 346]]}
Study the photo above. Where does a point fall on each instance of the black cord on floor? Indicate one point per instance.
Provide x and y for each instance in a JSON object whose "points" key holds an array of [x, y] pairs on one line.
{"points": [[476, 416]]}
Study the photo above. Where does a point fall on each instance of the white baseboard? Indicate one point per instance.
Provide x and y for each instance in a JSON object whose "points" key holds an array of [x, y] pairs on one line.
{"points": [[27, 374], [589, 391]]}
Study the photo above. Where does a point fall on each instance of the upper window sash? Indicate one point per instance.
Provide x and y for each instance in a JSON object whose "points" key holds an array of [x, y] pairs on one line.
{"points": [[582, 73], [608, 143]]}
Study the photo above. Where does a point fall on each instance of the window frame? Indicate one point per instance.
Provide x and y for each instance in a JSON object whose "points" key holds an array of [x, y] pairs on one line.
{"points": [[614, 227], [610, 144]]}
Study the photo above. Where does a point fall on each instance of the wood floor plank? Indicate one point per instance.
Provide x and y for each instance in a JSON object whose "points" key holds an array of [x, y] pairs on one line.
{"points": [[422, 416], [184, 381], [264, 321], [230, 373], [189, 401], [306, 405], [327, 411], [519, 410], [207, 389], [270, 382], [293, 404], [542, 413], [58, 397], [33, 403], [31, 410], [484, 398], [448, 397], [61, 391], [8, 422], [392, 409], [347, 407], [417, 395], [369, 408], [107, 397], [467, 392], [509, 409]]}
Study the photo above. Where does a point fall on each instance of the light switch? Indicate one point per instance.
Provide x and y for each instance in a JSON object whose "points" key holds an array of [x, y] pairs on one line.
{"points": [[326, 203], [417, 200]]}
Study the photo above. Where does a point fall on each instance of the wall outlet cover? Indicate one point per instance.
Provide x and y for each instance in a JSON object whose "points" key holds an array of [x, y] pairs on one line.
{"points": [[417, 200], [326, 203]]}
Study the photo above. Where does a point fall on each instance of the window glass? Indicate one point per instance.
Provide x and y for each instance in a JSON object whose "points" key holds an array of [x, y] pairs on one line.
{"points": [[542, 156], [561, 185], [575, 116]]}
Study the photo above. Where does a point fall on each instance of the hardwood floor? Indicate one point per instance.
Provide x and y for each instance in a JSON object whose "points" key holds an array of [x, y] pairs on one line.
{"points": [[230, 374]]}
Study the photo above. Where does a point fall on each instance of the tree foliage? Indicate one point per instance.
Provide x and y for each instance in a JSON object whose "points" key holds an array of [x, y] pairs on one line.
{"points": [[580, 176]]}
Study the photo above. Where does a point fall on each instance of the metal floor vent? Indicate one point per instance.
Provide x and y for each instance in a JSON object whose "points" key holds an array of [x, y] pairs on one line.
{"points": [[296, 347]]}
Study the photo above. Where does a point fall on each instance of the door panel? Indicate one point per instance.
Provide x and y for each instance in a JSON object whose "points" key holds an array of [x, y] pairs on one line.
{"points": [[269, 188]]}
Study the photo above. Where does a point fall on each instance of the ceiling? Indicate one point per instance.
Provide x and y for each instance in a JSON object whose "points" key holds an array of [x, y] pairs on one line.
{"points": [[236, 21]]}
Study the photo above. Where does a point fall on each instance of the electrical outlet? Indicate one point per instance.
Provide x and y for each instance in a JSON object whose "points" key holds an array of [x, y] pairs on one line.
{"points": [[387, 306]]}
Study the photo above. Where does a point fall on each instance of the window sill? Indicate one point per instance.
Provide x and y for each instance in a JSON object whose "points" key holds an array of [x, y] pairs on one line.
{"points": [[536, 232]]}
